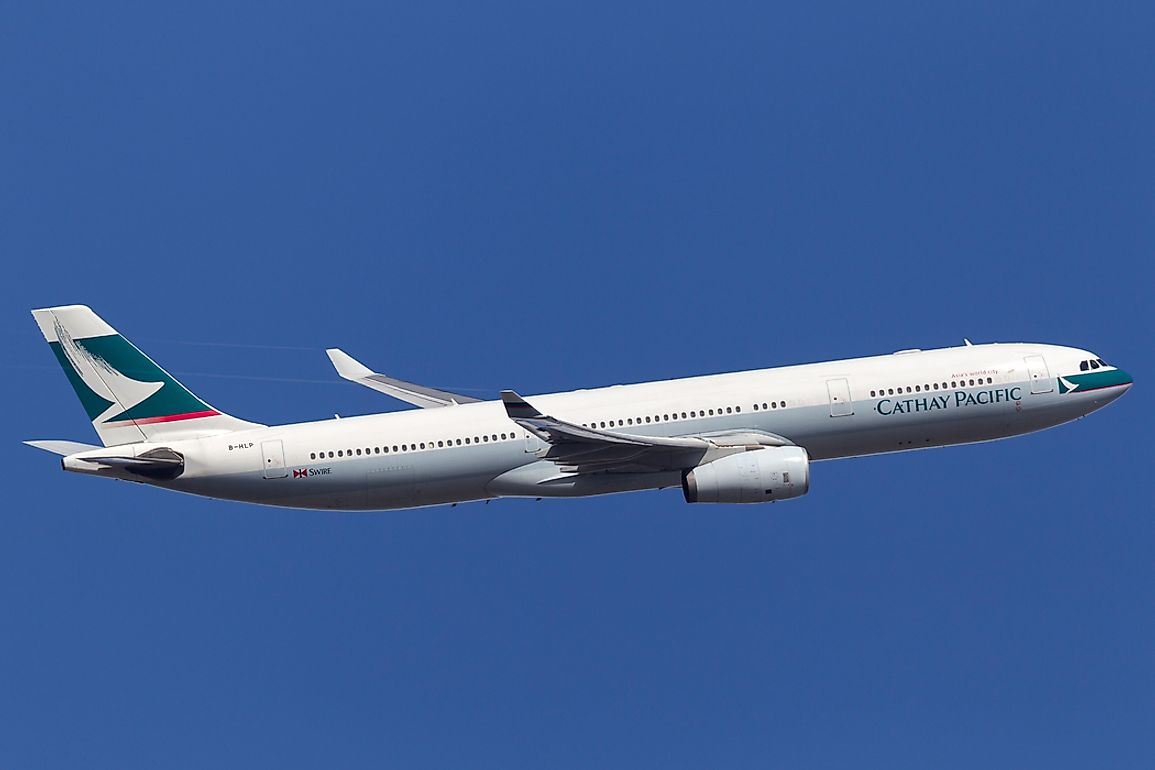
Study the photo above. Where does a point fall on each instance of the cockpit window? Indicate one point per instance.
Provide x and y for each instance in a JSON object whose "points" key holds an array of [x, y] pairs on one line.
{"points": [[1101, 362], [1084, 366], [1094, 364]]}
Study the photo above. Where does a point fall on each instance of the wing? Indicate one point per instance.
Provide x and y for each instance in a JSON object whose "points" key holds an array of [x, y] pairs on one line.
{"points": [[427, 398], [587, 450]]}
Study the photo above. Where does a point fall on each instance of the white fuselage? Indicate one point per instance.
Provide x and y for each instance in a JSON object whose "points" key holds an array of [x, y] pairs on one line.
{"points": [[898, 402]]}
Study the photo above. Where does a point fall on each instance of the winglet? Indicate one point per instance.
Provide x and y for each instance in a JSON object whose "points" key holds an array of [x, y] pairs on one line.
{"points": [[517, 407], [347, 366]]}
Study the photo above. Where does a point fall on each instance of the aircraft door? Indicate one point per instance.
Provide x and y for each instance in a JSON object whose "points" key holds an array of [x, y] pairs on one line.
{"points": [[1040, 376], [273, 453], [839, 392]]}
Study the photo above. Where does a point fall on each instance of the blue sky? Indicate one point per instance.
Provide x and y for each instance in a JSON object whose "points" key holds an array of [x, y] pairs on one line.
{"points": [[546, 196]]}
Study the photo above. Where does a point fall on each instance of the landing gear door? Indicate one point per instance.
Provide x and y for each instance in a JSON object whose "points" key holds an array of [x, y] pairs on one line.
{"points": [[840, 403], [273, 454], [1040, 376]]}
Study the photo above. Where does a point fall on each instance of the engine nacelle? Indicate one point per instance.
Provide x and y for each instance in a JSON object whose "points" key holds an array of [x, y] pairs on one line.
{"points": [[757, 476]]}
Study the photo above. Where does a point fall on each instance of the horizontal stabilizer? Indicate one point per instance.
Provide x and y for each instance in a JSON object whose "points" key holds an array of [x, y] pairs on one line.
{"points": [[119, 462], [427, 398], [62, 448]]}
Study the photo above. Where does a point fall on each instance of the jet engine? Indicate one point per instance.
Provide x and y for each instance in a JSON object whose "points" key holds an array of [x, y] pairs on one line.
{"points": [[756, 476]]}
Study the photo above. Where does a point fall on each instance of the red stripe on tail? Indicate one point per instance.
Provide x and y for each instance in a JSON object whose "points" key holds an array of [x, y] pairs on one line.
{"points": [[165, 418]]}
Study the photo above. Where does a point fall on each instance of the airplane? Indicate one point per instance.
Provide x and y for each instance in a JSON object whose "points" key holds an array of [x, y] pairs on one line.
{"points": [[741, 437]]}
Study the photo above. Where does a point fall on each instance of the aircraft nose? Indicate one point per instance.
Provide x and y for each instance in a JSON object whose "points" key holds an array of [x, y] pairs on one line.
{"points": [[1103, 386], [1115, 383]]}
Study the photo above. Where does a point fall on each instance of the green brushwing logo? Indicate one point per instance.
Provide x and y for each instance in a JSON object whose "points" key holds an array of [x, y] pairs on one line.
{"points": [[117, 383], [1104, 378]]}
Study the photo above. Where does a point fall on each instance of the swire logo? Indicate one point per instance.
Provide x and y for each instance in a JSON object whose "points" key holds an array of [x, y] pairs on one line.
{"points": [[306, 473]]}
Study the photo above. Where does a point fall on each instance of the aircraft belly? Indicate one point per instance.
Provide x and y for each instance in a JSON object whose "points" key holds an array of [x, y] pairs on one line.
{"points": [[544, 479]]}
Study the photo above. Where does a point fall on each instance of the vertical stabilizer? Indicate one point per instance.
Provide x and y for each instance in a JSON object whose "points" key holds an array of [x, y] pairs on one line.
{"points": [[127, 396]]}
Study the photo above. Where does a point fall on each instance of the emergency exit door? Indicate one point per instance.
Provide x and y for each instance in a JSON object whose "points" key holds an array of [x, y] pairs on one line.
{"points": [[839, 392]]}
